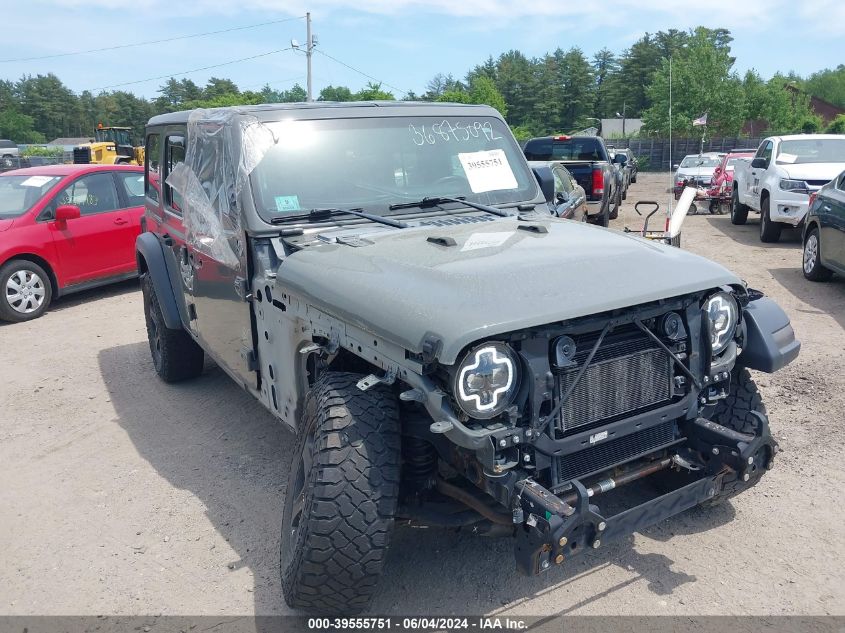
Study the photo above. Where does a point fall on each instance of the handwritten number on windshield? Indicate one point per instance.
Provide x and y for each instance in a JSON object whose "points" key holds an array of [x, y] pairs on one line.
{"points": [[445, 131]]}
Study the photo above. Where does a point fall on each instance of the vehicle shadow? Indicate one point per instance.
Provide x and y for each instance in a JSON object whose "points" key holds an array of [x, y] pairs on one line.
{"points": [[749, 234], [825, 298], [214, 440], [118, 289]]}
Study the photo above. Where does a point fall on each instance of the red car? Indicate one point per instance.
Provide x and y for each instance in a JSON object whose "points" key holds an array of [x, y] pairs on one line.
{"points": [[721, 186], [65, 228]]}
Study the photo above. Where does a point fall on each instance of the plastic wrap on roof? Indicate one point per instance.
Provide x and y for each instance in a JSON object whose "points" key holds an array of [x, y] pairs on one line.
{"points": [[223, 146]]}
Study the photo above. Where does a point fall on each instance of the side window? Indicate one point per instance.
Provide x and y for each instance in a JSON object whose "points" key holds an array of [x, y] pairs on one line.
{"points": [[174, 153], [558, 182], [566, 181], [767, 152], [153, 167], [93, 194], [133, 184]]}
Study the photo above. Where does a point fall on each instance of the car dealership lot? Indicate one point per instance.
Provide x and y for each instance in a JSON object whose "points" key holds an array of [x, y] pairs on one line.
{"points": [[128, 496]]}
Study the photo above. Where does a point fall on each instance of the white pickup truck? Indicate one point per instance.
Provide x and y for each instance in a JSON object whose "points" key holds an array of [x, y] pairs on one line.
{"points": [[778, 181]]}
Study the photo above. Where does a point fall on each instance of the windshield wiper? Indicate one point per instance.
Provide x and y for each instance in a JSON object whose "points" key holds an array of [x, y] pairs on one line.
{"points": [[316, 214], [438, 200]]}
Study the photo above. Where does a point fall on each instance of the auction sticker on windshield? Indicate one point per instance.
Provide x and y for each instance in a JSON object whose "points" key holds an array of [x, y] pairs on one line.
{"points": [[488, 170]]}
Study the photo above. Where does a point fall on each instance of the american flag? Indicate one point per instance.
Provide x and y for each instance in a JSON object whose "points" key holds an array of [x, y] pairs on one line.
{"points": [[702, 120]]}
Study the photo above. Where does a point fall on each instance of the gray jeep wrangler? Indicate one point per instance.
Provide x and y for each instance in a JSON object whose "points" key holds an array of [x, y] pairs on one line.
{"points": [[387, 280]]}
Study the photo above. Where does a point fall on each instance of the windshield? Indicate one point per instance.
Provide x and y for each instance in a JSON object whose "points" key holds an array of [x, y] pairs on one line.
{"points": [[18, 194], [373, 163], [812, 150], [579, 148], [733, 161], [700, 161], [118, 137]]}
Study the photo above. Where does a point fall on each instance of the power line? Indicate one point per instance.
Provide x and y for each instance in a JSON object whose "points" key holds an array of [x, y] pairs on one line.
{"points": [[194, 70], [169, 39], [360, 72]]}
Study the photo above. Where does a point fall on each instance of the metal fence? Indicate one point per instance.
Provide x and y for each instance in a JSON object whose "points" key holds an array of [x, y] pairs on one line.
{"points": [[8, 163], [656, 154]]}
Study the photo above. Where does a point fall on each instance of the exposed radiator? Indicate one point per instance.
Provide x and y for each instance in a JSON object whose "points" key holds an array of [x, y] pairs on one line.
{"points": [[627, 375]]}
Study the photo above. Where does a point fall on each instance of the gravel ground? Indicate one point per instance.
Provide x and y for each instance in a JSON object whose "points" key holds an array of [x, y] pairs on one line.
{"points": [[123, 495]]}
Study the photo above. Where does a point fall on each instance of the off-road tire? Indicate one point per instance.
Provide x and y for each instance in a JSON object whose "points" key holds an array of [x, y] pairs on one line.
{"points": [[343, 498], [813, 269], [769, 231], [734, 412], [176, 356], [7, 312], [739, 211], [675, 241], [633, 180]]}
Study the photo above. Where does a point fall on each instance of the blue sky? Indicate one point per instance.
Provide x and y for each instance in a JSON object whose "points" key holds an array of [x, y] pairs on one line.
{"points": [[403, 43]]}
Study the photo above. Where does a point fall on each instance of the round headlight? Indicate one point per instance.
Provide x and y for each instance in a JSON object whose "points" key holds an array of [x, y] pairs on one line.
{"points": [[487, 380], [722, 313]]}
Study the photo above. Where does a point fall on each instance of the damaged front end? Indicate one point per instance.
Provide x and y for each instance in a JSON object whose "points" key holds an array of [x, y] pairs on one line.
{"points": [[546, 421]]}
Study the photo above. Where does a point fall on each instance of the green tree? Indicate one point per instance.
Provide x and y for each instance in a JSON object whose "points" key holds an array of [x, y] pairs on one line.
{"points": [[18, 127], [777, 102], [828, 84], [441, 84], [295, 95], [516, 80], [703, 82], [52, 106], [335, 93], [481, 90], [216, 87], [373, 92], [605, 72], [837, 126], [176, 92]]}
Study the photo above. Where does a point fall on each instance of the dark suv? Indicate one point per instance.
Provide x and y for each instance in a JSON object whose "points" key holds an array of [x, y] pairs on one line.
{"points": [[445, 350]]}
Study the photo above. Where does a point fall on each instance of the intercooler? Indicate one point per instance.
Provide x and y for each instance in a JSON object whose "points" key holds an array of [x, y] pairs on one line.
{"points": [[629, 374]]}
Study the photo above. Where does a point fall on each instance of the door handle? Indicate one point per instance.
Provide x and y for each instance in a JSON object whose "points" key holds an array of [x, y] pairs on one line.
{"points": [[121, 221], [826, 208]]}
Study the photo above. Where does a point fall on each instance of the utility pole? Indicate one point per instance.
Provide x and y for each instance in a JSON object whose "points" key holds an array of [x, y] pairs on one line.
{"points": [[309, 46], [623, 119]]}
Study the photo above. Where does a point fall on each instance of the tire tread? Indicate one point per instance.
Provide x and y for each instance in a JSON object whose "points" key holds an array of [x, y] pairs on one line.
{"points": [[354, 486]]}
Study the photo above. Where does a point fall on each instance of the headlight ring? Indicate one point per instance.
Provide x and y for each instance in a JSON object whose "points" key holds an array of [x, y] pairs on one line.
{"points": [[487, 380], [722, 314]]}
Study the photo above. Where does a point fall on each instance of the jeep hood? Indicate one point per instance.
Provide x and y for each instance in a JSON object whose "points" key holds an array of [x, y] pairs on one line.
{"points": [[495, 278]]}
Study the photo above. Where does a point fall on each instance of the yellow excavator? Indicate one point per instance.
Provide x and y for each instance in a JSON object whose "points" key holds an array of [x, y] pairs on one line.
{"points": [[111, 145]]}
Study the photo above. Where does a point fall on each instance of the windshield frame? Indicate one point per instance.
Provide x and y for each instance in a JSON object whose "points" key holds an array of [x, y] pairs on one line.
{"points": [[526, 192]]}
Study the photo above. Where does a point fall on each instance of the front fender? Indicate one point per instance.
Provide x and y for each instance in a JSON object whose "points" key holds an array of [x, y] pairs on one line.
{"points": [[150, 256], [770, 342]]}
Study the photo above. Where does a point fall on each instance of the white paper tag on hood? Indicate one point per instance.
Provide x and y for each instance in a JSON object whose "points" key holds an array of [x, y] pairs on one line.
{"points": [[486, 240]]}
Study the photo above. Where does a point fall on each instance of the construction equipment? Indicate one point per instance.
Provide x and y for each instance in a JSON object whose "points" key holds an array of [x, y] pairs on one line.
{"points": [[111, 145]]}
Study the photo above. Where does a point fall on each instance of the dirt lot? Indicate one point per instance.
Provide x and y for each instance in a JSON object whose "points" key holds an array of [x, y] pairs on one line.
{"points": [[123, 495]]}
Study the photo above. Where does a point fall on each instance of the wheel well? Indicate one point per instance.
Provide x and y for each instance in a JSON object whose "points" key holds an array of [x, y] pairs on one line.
{"points": [[142, 263], [35, 259], [810, 226], [764, 195]]}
